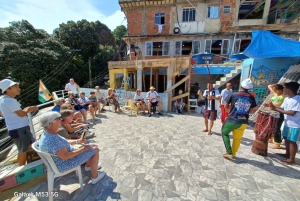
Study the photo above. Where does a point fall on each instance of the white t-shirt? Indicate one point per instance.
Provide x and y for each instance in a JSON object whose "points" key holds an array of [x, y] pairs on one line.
{"points": [[152, 95], [99, 95], [136, 97], [292, 104], [83, 100], [214, 92], [225, 93], [8, 107], [72, 87]]}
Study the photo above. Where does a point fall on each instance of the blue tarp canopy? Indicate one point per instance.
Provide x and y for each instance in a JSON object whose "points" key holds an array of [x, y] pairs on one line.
{"points": [[264, 44]]}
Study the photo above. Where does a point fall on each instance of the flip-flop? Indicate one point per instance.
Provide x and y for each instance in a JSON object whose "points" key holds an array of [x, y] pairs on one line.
{"points": [[229, 157], [286, 162]]}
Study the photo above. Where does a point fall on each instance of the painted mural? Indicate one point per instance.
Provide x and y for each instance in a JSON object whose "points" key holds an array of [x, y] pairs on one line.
{"points": [[264, 72]]}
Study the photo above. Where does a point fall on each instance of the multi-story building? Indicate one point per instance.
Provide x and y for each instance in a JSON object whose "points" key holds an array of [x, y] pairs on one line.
{"points": [[160, 32]]}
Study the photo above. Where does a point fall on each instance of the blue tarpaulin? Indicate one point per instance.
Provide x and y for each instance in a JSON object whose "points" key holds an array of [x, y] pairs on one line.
{"points": [[265, 44]]}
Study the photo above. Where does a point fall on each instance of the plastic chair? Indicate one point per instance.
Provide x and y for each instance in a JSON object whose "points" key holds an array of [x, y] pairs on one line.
{"points": [[52, 171]]}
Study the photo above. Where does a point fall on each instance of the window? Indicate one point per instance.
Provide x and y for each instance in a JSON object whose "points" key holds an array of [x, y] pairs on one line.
{"points": [[166, 49], [160, 18], [157, 48], [196, 47], [208, 46], [227, 9], [237, 45], [178, 47], [149, 48], [188, 15], [213, 12], [225, 46]]}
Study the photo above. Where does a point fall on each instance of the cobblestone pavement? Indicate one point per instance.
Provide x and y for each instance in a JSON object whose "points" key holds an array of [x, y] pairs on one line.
{"points": [[169, 158]]}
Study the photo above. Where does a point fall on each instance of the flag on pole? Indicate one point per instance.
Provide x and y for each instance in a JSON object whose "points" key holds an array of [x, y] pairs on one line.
{"points": [[44, 94]]}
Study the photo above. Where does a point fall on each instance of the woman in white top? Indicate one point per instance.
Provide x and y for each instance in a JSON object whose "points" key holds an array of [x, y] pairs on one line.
{"points": [[139, 101]]}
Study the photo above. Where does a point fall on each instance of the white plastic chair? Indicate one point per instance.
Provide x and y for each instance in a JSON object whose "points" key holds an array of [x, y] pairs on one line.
{"points": [[52, 171]]}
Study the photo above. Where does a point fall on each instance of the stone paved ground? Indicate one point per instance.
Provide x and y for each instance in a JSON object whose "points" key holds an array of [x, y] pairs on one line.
{"points": [[169, 158]]}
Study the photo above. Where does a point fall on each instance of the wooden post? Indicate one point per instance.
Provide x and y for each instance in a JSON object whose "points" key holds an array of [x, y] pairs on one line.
{"points": [[165, 80], [144, 84], [151, 77], [189, 85], [156, 78]]}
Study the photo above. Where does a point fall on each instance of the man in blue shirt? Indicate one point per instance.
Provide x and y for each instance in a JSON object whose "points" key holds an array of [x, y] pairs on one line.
{"points": [[59, 103]]}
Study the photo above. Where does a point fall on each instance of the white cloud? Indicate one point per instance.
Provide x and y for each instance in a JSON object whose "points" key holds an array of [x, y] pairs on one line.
{"points": [[48, 15]]}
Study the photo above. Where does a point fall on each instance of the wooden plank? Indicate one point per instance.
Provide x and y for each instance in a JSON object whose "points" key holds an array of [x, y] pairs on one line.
{"points": [[178, 83], [151, 77], [180, 96], [189, 88]]}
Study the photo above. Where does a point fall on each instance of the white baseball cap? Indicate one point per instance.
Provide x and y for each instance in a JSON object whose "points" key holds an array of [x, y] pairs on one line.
{"points": [[247, 84], [6, 83]]}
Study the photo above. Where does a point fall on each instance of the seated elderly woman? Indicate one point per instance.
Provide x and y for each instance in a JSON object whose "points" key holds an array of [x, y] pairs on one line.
{"points": [[77, 106], [139, 102], [111, 97], [66, 156]]}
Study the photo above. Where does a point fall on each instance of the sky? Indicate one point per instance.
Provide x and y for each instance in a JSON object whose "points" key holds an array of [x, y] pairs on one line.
{"points": [[48, 14]]}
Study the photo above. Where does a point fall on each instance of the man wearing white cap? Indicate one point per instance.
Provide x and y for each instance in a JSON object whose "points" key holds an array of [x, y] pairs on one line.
{"points": [[151, 97], [242, 103], [15, 118]]}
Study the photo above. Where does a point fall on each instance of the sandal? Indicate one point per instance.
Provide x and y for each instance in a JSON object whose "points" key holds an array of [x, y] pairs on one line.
{"points": [[228, 156]]}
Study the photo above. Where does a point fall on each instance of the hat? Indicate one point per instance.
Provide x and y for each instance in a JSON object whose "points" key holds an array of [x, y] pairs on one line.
{"points": [[247, 84], [6, 83], [81, 92], [152, 87]]}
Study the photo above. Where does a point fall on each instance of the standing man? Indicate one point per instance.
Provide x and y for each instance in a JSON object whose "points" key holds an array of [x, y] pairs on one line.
{"points": [[211, 96], [242, 103], [224, 94], [151, 97], [72, 86], [291, 110], [15, 118]]}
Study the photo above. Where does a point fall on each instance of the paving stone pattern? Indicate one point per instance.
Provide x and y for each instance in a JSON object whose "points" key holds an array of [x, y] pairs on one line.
{"points": [[168, 158]]}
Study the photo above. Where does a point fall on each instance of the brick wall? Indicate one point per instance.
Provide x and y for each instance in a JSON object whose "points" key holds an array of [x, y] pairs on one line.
{"points": [[136, 20], [228, 18]]}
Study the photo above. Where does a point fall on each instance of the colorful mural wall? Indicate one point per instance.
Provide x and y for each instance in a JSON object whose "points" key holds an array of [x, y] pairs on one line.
{"points": [[264, 72]]}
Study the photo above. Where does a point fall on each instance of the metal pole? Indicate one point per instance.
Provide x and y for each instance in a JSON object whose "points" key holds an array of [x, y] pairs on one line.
{"points": [[31, 125], [90, 72]]}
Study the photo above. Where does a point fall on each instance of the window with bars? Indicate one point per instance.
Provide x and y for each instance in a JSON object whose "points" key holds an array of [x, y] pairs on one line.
{"points": [[227, 9], [188, 15]]}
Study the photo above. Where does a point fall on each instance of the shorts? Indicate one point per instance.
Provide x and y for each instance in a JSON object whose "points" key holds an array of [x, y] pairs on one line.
{"points": [[154, 103], [210, 114], [22, 138], [292, 134], [101, 101]]}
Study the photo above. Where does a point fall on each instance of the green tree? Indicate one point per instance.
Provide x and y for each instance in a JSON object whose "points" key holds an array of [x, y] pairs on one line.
{"points": [[29, 54], [119, 32]]}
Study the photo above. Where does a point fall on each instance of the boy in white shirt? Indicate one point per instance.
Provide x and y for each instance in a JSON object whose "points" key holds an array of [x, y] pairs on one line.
{"points": [[291, 110], [139, 102], [101, 99], [15, 118]]}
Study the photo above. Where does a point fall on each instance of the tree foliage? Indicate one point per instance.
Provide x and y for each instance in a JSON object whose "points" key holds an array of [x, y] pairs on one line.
{"points": [[119, 32], [29, 54]]}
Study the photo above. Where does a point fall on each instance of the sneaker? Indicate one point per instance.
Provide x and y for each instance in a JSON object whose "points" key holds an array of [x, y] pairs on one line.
{"points": [[159, 113], [89, 169], [100, 176], [89, 135], [149, 115]]}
